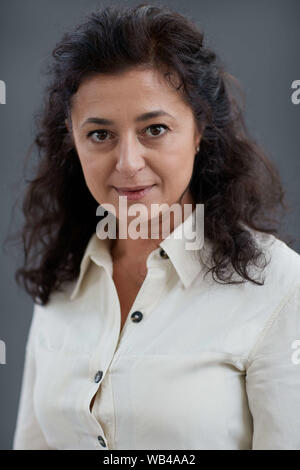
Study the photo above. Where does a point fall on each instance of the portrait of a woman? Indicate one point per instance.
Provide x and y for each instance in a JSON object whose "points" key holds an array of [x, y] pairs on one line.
{"points": [[141, 343]]}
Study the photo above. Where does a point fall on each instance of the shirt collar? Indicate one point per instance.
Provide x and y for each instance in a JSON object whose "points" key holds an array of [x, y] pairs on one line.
{"points": [[188, 263]]}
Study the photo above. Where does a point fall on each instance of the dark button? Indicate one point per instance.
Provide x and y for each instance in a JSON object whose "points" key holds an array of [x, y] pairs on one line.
{"points": [[163, 254], [136, 316], [102, 441], [98, 376]]}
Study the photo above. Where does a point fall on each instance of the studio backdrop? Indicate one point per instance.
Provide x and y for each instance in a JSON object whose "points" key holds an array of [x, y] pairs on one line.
{"points": [[258, 42]]}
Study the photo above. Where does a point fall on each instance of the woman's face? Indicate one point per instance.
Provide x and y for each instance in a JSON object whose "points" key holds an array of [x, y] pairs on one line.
{"points": [[120, 145]]}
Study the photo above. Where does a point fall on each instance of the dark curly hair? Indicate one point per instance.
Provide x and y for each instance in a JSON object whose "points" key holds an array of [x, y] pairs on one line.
{"points": [[232, 176]]}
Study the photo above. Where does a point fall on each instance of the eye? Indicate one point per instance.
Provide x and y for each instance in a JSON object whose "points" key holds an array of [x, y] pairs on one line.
{"points": [[104, 133], [100, 132], [155, 127]]}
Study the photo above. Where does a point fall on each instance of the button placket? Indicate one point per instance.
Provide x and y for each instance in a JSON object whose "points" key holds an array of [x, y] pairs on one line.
{"points": [[104, 411], [108, 354], [163, 254], [92, 425], [98, 376], [145, 302], [102, 441], [136, 316]]}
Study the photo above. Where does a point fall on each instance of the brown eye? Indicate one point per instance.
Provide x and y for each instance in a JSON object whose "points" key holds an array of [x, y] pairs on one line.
{"points": [[100, 133], [155, 132]]}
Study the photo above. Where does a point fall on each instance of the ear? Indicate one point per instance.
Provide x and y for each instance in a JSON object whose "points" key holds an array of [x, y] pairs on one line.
{"points": [[198, 131], [197, 139], [67, 125]]}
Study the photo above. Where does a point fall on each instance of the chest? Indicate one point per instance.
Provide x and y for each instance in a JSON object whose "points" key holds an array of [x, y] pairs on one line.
{"points": [[128, 282]]}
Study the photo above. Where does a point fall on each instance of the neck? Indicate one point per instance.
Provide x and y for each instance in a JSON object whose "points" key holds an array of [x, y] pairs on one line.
{"points": [[139, 249]]}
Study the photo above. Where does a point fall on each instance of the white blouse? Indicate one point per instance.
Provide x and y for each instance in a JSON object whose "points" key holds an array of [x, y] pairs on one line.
{"points": [[198, 364]]}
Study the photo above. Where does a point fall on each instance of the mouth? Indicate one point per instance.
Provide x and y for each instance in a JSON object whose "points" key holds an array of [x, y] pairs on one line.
{"points": [[134, 193]]}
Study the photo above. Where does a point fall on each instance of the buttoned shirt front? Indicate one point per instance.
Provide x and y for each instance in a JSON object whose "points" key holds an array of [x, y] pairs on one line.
{"points": [[198, 364]]}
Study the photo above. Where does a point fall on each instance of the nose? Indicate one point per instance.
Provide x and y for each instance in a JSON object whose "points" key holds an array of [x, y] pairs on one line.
{"points": [[129, 156]]}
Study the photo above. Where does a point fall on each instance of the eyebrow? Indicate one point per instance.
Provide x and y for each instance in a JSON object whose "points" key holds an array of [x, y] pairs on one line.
{"points": [[142, 117]]}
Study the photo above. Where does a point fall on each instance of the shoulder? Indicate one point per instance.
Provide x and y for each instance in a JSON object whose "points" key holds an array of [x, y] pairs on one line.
{"points": [[282, 269], [51, 321]]}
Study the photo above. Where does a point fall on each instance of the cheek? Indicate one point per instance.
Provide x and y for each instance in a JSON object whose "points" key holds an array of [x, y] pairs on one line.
{"points": [[89, 158], [95, 174], [92, 164], [176, 167]]}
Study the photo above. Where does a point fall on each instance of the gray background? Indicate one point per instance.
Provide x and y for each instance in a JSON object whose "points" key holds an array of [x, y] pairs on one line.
{"points": [[258, 40]]}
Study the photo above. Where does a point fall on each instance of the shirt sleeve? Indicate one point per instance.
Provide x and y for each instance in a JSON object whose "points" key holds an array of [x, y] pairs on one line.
{"points": [[273, 379], [28, 434]]}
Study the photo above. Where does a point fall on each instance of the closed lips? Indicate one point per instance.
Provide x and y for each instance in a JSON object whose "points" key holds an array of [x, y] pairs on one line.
{"points": [[137, 188]]}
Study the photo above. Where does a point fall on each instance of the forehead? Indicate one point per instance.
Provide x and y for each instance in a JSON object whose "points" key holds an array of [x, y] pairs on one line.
{"points": [[136, 90]]}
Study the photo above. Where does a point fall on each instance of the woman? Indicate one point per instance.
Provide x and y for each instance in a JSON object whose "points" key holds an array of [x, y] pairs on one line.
{"points": [[141, 343]]}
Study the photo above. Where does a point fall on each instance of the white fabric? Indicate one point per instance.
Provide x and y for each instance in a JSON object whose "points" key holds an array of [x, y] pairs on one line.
{"points": [[209, 366]]}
